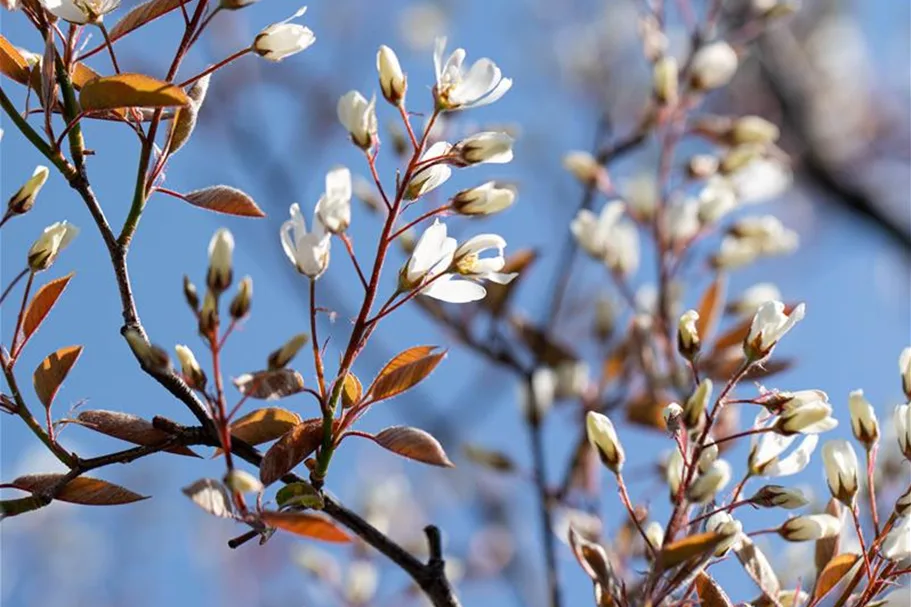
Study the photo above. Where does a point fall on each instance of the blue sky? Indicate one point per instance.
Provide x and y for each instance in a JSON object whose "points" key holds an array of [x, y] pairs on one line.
{"points": [[163, 550]]}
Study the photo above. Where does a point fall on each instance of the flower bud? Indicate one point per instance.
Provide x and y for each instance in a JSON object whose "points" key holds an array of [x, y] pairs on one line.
{"points": [[811, 418], [190, 294], [485, 199], [605, 317], [538, 400], [24, 199], [672, 414], [54, 239], [283, 39], [810, 527], [903, 503], [584, 167], [240, 305], [902, 421], [358, 116], [772, 496], [713, 66], [221, 249], [754, 129], [664, 80], [708, 484], [208, 315], [750, 300], [694, 411], [725, 524], [192, 372], [904, 368], [654, 533], [840, 464], [572, 379], [863, 419], [673, 473], [717, 199], [489, 146], [392, 80], [281, 357], [150, 356], [739, 157], [604, 439], [241, 481], [706, 458], [688, 335], [770, 324], [702, 166]]}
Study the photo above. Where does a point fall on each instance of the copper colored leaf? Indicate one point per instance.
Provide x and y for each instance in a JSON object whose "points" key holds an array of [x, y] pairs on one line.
{"points": [[142, 14], [211, 496], [306, 525], [405, 371], [758, 567], [49, 375], [129, 428], [644, 411], [80, 490], [413, 443], [224, 199], [733, 336], [83, 74], [270, 385], [351, 391], [835, 570], [495, 460], [130, 90], [710, 593], [690, 547], [264, 425], [711, 307], [12, 63], [40, 306], [291, 449]]}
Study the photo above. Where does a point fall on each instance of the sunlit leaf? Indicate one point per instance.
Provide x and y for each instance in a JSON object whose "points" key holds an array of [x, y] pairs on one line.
{"points": [[835, 570], [645, 411], [130, 90], [682, 550], [50, 373], [224, 199], [142, 14], [40, 306], [270, 385], [264, 425], [300, 495], [351, 391], [211, 496], [306, 525], [12, 63], [495, 460], [711, 307], [733, 336], [129, 428], [80, 490], [710, 593], [290, 450], [826, 548], [405, 371], [415, 444]]}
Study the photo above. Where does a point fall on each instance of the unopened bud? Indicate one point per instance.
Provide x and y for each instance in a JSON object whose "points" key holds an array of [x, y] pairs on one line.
{"points": [[240, 305], [392, 79], [538, 395], [707, 458], [208, 315], [729, 527], [673, 473], [283, 39], [24, 199], [241, 481], [190, 293], [840, 464], [688, 341], [694, 411], [288, 351], [904, 368], [584, 167], [664, 80], [810, 527], [221, 249], [605, 317], [708, 484], [772, 496], [485, 199], [150, 356], [713, 66], [739, 157], [603, 437], [192, 372], [672, 415], [489, 146], [702, 166], [654, 533], [572, 379], [754, 129], [863, 419], [52, 241]]}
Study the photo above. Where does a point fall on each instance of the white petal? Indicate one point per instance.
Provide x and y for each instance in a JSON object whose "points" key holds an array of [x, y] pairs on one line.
{"points": [[455, 291]]}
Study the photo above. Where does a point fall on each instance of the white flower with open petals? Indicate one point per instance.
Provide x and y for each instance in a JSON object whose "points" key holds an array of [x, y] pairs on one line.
{"points": [[283, 39], [358, 116], [608, 237], [467, 260], [433, 175], [456, 88], [429, 265], [334, 206], [80, 12], [770, 324], [308, 251], [53, 239], [766, 450]]}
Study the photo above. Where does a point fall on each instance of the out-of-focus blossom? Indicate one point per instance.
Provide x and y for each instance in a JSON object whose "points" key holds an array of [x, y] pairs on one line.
{"points": [[283, 39], [358, 116], [456, 88], [307, 250], [334, 207], [713, 66], [608, 238]]}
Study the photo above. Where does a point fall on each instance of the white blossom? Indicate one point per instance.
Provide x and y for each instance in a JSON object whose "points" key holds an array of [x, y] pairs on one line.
{"points": [[543, 392], [863, 418], [392, 80], [583, 166], [433, 176], [766, 449], [334, 207], [48, 246], [221, 249], [897, 545], [485, 199], [756, 295], [810, 527], [467, 259], [902, 420], [358, 116], [491, 147], [24, 198], [708, 484], [241, 481], [840, 463], [683, 221], [607, 238], [80, 12], [762, 179], [713, 65], [770, 324], [456, 88], [308, 251], [732, 530], [603, 437], [430, 265], [716, 199], [283, 39]]}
